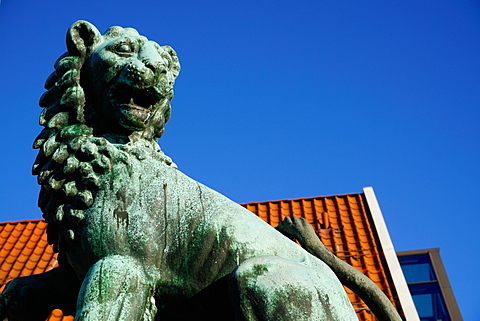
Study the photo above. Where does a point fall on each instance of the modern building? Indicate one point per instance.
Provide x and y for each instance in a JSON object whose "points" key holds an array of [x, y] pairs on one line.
{"points": [[350, 225], [429, 286]]}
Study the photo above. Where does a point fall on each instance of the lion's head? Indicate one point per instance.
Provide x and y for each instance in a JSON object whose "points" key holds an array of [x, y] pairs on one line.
{"points": [[117, 83], [130, 83], [107, 90]]}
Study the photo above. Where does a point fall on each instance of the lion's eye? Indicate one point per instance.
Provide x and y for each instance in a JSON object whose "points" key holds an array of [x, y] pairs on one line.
{"points": [[124, 48]]}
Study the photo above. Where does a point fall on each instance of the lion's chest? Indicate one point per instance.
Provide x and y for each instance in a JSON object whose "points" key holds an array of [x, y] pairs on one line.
{"points": [[151, 211], [129, 213]]}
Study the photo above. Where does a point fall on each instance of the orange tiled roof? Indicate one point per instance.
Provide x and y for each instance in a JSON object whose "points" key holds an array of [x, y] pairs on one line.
{"points": [[343, 222], [24, 251]]}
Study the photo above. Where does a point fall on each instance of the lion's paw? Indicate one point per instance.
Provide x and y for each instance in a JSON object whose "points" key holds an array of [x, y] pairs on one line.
{"points": [[296, 228]]}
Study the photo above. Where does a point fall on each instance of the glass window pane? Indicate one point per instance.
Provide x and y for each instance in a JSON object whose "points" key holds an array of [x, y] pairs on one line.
{"points": [[429, 302], [417, 268], [423, 303]]}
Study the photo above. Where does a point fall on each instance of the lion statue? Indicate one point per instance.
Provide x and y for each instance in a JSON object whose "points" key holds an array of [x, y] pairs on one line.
{"points": [[137, 239]]}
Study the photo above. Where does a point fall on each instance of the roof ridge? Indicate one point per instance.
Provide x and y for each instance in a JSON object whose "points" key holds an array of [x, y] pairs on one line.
{"points": [[23, 221], [303, 198]]}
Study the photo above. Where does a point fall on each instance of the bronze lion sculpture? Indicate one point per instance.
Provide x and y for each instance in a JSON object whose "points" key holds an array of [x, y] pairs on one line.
{"points": [[137, 239]]}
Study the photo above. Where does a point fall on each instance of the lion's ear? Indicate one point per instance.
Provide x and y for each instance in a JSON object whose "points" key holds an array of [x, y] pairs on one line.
{"points": [[174, 63], [82, 38]]}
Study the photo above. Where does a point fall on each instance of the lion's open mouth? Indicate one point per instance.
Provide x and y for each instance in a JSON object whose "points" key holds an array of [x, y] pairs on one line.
{"points": [[134, 102]]}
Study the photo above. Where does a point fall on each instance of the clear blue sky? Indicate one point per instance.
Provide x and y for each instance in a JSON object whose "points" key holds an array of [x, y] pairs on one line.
{"points": [[288, 99]]}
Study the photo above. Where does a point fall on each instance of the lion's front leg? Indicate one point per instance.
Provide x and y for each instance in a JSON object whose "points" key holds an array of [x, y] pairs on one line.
{"points": [[116, 288]]}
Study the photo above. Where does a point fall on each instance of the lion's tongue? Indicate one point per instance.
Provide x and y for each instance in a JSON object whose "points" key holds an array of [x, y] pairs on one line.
{"points": [[139, 111]]}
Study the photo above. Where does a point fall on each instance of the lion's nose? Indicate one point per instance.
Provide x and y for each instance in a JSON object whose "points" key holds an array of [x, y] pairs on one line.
{"points": [[157, 67]]}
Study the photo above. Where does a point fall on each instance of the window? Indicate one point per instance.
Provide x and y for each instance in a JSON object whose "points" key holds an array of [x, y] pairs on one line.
{"points": [[417, 268], [422, 270]]}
